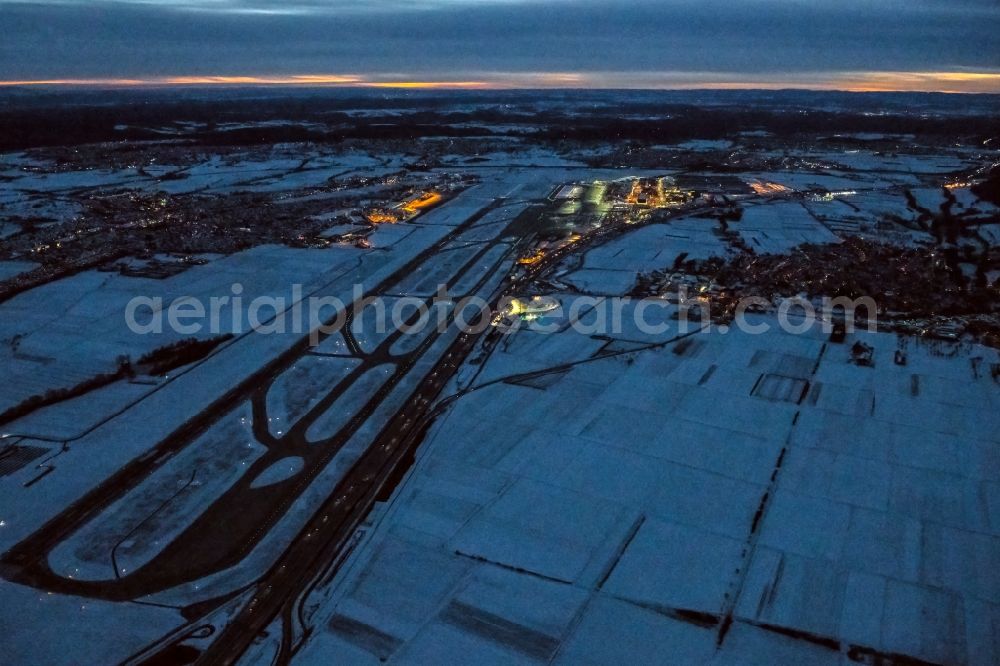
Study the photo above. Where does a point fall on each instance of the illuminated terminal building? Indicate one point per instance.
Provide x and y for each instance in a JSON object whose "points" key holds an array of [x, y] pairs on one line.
{"points": [[419, 203], [531, 308], [405, 211], [648, 192]]}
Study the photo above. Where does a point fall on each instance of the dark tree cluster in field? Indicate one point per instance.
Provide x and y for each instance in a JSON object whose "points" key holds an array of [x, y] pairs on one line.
{"points": [[164, 359], [989, 189]]}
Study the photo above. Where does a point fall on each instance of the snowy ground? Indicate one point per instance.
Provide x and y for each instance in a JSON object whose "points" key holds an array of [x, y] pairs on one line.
{"points": [[611, 267], [617, 509], [139, 525], [9, 269], [777, 228], [73, 329], [298, 390], [616, 513]]}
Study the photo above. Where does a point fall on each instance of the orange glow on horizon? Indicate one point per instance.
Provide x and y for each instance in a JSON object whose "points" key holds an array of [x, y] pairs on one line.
{"points": [[924, 81], [874, 81], [946, 82], [304, 79], [430, 84], [78, 82], [299, 79]]}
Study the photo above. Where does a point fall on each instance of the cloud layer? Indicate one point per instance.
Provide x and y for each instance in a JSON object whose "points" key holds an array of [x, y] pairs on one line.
{"points": [[706, 41]]}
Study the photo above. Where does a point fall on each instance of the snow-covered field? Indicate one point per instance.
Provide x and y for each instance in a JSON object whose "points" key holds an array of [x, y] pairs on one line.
{"points": [[596, 494], [618, 513], [9, 269], [777, 228], [656, 247], [297, 391], [73, 329], [145, 520]]}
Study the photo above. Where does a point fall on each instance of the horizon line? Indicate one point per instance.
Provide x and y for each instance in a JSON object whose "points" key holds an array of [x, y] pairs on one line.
{"points": [[944, 82]]}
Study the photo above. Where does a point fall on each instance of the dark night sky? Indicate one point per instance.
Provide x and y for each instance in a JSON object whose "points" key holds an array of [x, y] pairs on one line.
{"points": [[938, 44]]}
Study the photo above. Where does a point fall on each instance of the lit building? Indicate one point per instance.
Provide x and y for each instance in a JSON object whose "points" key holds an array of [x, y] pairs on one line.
{"points": [[532, 307]]}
